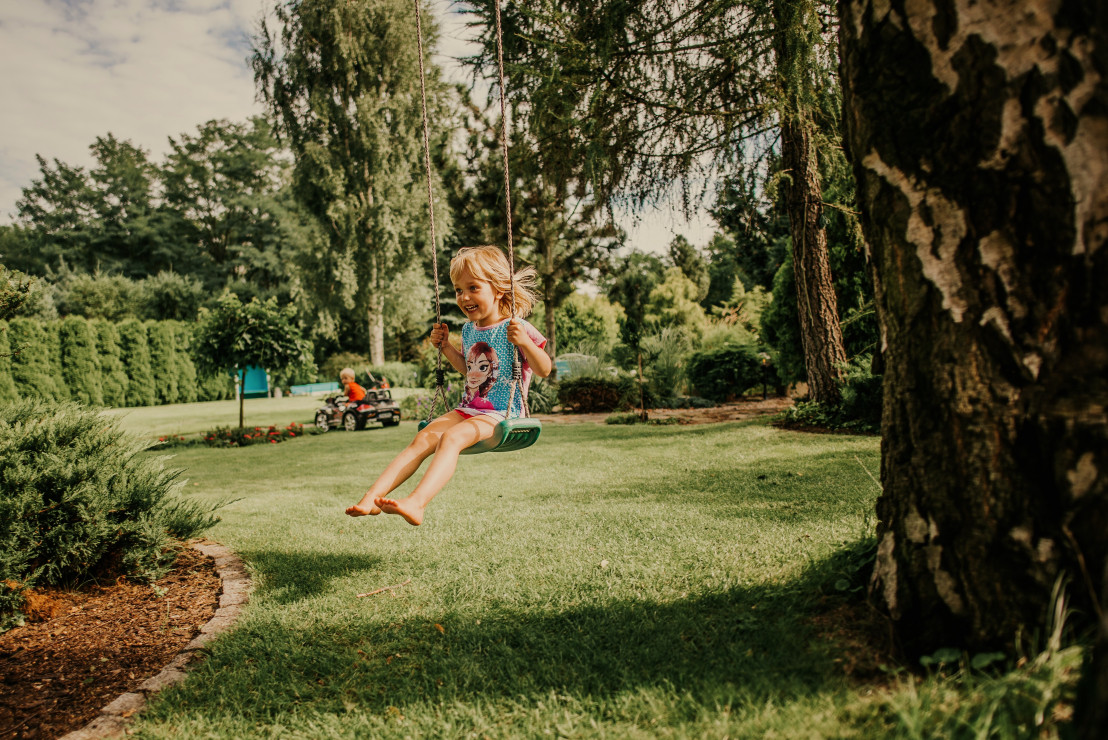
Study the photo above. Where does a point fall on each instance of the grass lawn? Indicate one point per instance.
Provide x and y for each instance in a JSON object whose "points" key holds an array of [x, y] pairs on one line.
{"points": [[609, 582], [193, 418]]}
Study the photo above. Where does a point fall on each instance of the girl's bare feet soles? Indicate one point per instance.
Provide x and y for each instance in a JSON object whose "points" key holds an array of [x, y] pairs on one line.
{"points": [[412, 513], [363, 507]]}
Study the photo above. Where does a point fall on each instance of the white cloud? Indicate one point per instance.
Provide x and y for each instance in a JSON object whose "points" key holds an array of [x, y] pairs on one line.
{"points": [[141, 70], [146, 70]]}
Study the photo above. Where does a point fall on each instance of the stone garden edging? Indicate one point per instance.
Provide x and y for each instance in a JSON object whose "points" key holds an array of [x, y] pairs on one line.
{"points": [[234, 593]]}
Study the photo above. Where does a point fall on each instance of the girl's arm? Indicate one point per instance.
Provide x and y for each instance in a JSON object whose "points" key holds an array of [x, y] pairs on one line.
{"points": [[536, 356], [439, 338]]}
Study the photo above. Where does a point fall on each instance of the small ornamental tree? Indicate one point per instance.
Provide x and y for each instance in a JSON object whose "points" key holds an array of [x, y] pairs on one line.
{"points": [[113, 376], [31, 367], [163, 360], [233, 335], [8, 392], [135, 353]]}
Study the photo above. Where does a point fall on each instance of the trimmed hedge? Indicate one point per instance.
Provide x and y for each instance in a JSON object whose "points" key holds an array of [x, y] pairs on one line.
{"points": [[723, 374], [113, 376], [131, 363], [187, 389], [163, 360], [80, 363], [32, 370], [135, 353], [79, 501]]}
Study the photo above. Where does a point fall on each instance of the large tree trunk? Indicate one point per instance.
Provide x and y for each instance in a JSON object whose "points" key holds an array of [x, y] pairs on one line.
{"points": [[817, 305], [979, 138]]}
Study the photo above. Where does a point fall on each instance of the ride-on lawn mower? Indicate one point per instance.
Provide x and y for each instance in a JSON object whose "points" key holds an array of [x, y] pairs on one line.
{"points": [[378, 405]]}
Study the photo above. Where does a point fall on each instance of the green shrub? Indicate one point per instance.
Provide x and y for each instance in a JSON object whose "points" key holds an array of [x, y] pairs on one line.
{"points": [[399, 374], [80, 361], [416, 406], [163, 360], [329, 370], [861, 393], [135, 353], [245, 436], [859, 408], [587, 395], [723, 374], [78, 501], [169, 296], [541, 396], [664, 358], [691, 402], [624, 417], [113, 376], [8, 392], [97, 296], [215, 387], [31, 367]]}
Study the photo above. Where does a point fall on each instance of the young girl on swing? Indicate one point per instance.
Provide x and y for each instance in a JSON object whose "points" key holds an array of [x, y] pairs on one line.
{"points": [[482, 285]]}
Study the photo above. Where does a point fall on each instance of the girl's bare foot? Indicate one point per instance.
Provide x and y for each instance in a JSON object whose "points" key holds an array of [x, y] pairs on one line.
{"points": [[412, 513], [363, 507]]}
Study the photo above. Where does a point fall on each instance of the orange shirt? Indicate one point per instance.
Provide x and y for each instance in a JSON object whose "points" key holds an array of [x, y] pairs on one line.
{"points": [[354, 391]]}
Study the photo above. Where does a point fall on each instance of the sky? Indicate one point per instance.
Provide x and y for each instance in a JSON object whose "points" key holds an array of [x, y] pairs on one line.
{"points": [[147, 70]]}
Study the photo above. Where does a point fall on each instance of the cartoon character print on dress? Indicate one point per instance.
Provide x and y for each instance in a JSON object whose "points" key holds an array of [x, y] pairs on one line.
{"points": [[491, 378], [482, 370]]}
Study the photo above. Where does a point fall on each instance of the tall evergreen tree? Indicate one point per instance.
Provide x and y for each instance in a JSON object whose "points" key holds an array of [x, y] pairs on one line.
{"points": [[80, 364], [652, 93], [32, 367], [342, 80], [187, 388], [113, 375], [163, 360], [135, 353], [106, 218]]}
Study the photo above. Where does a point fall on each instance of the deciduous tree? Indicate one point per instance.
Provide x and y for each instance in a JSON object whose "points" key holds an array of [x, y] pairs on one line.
{"points": [[980, 142], [342, 79], [235, 335]]}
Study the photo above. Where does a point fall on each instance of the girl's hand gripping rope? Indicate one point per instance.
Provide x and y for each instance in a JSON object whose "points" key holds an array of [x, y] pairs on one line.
{"points": [[440, 333]]}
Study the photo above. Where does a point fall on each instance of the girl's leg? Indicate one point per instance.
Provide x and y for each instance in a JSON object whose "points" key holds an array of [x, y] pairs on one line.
{"points": [[406, 463], [451, 444]]}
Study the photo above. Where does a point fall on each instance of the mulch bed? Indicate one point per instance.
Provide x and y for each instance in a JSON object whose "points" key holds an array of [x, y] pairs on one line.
{"points": [[81, 649]]}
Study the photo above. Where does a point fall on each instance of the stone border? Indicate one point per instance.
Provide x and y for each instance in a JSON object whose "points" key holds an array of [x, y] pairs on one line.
{"points": [[234, 593]]}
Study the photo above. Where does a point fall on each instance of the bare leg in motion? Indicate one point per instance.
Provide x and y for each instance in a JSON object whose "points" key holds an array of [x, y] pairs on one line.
{"points": [[453, 441], [404, 464]]}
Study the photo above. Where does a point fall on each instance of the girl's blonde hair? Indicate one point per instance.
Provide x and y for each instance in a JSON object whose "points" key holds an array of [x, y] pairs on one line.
{"points": [[488, 263]]}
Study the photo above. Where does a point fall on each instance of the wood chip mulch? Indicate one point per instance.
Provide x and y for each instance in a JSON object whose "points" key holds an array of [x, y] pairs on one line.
{"points": [[81, 649]]}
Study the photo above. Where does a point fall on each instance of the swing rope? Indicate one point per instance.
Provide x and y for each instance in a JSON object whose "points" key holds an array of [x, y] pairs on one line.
{"points": [[517, 374], [440, 391]]}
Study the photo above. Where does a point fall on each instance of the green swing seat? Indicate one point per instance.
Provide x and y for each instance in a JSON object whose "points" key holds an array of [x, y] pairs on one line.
{"points": [[509, 435]]}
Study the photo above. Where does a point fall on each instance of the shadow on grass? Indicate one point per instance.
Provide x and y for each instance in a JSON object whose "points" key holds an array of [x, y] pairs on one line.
{"points": [[747, 645], [291, 576]]}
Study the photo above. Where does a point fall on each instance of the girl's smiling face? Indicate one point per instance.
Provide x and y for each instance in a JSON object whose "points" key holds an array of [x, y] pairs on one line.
{"points": [[477, 299]]}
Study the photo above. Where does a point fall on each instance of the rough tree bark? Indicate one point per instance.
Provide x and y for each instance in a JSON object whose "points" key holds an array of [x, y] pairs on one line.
{"points": [[817, 305], [979, 136]]}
